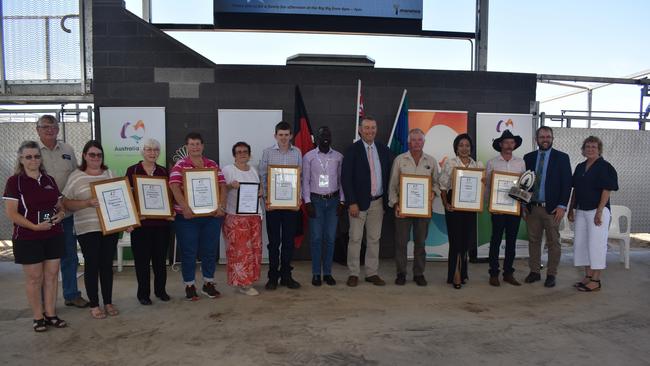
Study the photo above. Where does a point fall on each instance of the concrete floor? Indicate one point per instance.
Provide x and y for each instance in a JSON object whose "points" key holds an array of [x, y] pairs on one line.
{"points": [[367, 325]]}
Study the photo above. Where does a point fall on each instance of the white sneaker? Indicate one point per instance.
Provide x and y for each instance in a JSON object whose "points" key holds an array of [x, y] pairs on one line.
{"points": [[250, 291]]}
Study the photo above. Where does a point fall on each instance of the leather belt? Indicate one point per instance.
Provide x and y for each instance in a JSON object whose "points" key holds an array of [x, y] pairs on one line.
{"points": [[538, 204], [325, 196], [376, 197]]}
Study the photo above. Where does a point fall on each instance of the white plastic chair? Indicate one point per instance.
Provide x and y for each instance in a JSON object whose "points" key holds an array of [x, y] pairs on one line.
{"points": [[619, 229], [121, 244]]}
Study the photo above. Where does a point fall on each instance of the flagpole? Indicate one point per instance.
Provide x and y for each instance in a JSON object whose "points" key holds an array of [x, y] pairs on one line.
{"points": [[356, 112], [399, 110]]}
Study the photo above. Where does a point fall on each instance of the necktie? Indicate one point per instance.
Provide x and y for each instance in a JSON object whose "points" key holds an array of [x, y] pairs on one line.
{"points": [[373, 178], [538, 174]]}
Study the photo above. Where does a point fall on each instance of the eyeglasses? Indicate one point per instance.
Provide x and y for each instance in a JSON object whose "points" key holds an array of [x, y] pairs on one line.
{"points": [[148, 149], [241, 152], [94, 155], [30, 157], [49, 127]]}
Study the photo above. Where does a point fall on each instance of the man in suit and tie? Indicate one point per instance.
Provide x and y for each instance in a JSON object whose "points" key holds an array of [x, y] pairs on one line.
{"points": [[551, 192], [364, 176]]}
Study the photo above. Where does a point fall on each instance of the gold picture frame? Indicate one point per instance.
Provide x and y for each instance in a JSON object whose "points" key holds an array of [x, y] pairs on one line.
{"points": [[117, 210]]}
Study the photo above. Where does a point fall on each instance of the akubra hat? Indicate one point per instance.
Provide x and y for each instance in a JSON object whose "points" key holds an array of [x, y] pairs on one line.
{"points": [[496, 144]]}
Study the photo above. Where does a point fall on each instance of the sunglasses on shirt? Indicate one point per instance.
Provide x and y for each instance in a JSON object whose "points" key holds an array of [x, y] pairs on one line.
{"points": [[30, 157]]}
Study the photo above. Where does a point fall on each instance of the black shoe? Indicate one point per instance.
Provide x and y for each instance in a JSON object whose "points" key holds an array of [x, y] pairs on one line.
{"points": [[420, 280], [190, 293], [316, 281], [401, 279], [145, 301], [533, 277], [329, 280], [290, 283], [272, 284], [209, 290], [550, 281], [163, 297]]}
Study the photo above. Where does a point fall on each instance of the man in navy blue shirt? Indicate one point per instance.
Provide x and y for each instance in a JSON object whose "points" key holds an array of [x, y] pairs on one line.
{"points": [[548, 204]]}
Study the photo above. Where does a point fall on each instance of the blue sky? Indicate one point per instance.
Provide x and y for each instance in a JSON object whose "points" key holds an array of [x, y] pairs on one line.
{"points": [[569, 37]]}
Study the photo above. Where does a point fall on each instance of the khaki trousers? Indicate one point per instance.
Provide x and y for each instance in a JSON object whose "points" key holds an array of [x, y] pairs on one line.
{"points": [[402, 235], [371, 219], [540, 221]]}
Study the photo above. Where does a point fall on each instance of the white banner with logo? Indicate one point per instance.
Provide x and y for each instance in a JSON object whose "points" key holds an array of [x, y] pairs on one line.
{"points": [[125, 129]]}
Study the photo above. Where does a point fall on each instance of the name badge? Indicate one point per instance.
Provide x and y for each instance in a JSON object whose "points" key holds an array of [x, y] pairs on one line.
{"points": [[323, 181], [66, 157]]}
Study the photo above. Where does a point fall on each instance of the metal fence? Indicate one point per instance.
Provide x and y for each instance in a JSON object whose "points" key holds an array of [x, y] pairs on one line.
{"points": [[13, 133]]}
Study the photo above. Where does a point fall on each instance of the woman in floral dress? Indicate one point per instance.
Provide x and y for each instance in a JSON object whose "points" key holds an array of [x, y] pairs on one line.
{"points": [[243, 232]]}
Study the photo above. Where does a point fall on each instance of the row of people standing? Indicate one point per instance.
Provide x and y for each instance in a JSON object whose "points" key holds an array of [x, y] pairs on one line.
{"points": [[358, 180]]}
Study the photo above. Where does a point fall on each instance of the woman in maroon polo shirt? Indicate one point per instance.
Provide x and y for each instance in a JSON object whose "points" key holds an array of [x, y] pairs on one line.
{"points": [[149, 242], [33, 204]]}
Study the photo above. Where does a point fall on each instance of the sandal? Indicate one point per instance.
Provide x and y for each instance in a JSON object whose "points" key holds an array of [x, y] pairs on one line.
{"points": [[584, 288], [54, 321], [97, 313], [582, 283], [111, 310], [39, 325]]}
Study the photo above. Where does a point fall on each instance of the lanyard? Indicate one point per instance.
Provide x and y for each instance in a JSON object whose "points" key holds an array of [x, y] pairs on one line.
{"points": [[323, 168]]}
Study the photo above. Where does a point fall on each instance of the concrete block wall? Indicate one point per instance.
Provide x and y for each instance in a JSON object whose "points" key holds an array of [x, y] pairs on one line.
{"points": [[137, 65]]}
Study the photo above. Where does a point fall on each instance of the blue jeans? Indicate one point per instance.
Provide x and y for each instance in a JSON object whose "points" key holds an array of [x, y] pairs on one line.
{"points": [[281, 228], [69, 261], [198, 236], [322, 231]]}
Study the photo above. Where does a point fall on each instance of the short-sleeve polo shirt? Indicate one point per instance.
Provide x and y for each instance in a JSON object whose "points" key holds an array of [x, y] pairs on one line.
{"points": [[33, 195], [176, 174], [589, 184]]}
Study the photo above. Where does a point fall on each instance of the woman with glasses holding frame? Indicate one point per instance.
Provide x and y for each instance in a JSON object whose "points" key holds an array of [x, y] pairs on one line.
{"points": [[33, 204], [98, 250], [149, 242]]}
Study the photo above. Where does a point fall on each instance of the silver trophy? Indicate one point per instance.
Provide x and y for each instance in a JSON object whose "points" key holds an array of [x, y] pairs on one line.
{"points": [[520, 190]]}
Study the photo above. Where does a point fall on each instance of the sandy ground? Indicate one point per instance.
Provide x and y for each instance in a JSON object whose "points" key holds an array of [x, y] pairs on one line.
{"points": [[367, 325]]}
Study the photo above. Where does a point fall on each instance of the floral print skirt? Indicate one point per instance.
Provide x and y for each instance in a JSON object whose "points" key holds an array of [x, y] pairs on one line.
{"points": [[243, 248]]}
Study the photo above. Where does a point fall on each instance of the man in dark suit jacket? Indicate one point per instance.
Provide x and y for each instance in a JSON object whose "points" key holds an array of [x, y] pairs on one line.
{"points": [[548, 204], [364, 177]]}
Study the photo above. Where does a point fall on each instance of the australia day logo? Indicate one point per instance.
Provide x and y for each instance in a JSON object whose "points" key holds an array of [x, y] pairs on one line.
{"points": [[133, 131], [505, 125], [131, 135]]}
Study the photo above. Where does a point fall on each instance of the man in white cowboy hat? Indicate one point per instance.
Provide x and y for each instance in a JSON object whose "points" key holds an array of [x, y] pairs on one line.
{"points": [[504, 162]]}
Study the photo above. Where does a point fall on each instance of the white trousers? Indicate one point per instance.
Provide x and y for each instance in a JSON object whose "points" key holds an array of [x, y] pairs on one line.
{"points": [[590, 243]]}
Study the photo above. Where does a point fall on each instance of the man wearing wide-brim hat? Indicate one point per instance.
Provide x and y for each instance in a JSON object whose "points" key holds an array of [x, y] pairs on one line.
{"points": [[504, 162]]}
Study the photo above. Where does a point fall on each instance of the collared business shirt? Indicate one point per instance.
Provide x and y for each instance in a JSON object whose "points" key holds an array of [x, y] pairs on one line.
{"points": [[316, 164], [448, 168], [405, 164], [498, 163], [273, 156], [375, 156], [541, 195], [59, 162]]}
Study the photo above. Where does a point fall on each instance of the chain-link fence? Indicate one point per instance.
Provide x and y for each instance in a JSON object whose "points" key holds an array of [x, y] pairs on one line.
{"points": [[13, 133], [41, 41]]}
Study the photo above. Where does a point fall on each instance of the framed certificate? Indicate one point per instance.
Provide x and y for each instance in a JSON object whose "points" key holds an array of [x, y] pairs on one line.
{"points": [[283, 188], [467, 187], [500, 185], [248, 198], [152, 197], [415, 195], [201, 190], [117, 210]]}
